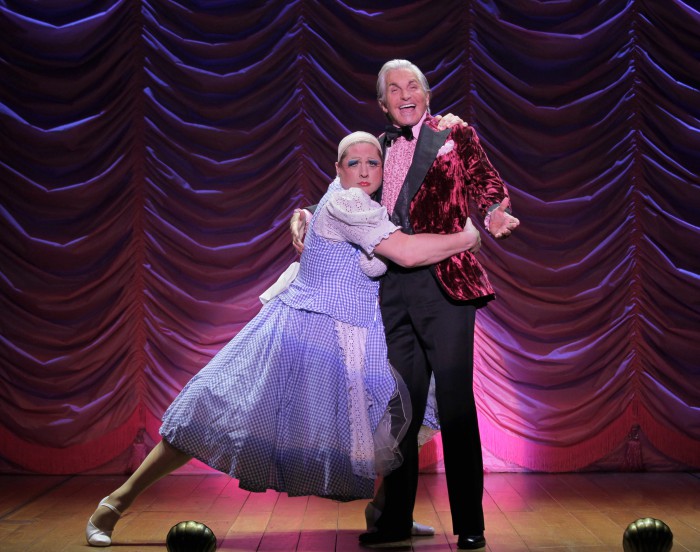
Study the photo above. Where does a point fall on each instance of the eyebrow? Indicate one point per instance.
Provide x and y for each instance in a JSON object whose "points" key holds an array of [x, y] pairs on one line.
{"points": [[412, 81]]}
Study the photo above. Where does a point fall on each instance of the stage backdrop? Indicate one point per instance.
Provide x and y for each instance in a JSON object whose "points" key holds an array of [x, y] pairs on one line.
{"points": [[152, 153]]}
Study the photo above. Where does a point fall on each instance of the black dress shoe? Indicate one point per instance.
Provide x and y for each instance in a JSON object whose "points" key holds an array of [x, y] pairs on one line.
{"points": [[378, 539], [471, 542]]}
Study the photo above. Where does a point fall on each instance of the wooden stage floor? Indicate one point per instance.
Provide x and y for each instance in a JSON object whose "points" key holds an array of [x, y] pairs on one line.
{"points": [[582, 512]]}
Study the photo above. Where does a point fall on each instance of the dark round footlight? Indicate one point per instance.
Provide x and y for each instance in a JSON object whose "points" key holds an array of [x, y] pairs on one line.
{"points": [[190, 536], [647, 535]]}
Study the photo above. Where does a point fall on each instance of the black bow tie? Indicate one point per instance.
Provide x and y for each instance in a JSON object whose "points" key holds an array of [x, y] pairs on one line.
{"points": [[392, 133]]}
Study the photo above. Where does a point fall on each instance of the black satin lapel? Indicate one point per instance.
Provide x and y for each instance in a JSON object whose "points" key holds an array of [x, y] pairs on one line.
{"points": [[378, 194], [429, 142]]}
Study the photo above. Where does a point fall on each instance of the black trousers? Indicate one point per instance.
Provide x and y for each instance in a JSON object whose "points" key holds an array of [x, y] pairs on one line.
{"points": [[428, 332]]}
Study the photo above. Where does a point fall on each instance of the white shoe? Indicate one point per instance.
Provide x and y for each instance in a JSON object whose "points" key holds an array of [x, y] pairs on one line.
{"points": [[420, 530], [98, 537], [372, 514]]}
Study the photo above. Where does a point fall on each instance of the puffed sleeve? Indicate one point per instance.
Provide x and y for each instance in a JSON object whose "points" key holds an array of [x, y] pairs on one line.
{"points": [[352, 216]]}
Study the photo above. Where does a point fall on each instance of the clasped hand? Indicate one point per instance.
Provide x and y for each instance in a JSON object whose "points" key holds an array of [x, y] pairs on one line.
{"points": [[473, 237], [297, 225]]}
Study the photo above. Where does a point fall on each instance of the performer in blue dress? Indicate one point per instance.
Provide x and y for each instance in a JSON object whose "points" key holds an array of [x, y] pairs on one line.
{"points": [[303, 399]]}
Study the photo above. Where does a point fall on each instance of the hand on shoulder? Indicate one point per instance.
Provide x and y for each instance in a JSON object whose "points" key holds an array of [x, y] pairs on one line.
{"points": [[449, 121]]}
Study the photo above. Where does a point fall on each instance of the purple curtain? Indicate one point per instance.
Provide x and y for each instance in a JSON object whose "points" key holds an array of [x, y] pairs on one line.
{"points": [[152, 152]]}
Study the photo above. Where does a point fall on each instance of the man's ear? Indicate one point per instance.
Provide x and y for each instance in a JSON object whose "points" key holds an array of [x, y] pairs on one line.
{"points": [[382, 106]]}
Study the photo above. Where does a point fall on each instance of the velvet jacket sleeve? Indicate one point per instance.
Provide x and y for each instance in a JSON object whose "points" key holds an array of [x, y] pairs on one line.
{"points": [[460, 176]]}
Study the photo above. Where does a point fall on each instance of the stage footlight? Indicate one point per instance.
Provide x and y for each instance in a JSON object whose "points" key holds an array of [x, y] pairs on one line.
{"points": [[190, 536], [647, 535]]}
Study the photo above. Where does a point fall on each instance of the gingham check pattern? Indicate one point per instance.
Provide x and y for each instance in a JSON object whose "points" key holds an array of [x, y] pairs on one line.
{"points": [[271, 408]]}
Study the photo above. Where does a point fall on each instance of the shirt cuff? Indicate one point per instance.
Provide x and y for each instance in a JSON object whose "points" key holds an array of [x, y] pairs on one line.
{"points": [[487, 218]]}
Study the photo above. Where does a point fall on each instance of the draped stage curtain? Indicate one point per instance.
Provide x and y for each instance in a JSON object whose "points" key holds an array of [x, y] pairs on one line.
{"points": [[152, 153]]}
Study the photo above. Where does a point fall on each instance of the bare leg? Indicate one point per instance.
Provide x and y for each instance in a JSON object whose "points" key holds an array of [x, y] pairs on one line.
{"points": [[162, 460]]}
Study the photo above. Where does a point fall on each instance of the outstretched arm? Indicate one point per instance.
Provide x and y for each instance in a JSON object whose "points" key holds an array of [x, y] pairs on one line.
{"points": [[426, 249]]}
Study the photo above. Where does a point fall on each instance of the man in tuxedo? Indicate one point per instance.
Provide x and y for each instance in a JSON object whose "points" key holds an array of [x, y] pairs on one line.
{"points": [[431, 179]]}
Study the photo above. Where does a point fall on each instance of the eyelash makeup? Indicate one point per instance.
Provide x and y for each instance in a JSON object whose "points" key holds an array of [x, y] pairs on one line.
{"points": [[354, 162]]}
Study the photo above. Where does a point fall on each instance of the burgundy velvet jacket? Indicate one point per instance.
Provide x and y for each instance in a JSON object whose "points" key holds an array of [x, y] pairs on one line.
{"points": [[450, 170]]}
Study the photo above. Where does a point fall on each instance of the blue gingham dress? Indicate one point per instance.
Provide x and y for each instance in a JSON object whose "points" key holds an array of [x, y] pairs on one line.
{"points": [[275, 408]]}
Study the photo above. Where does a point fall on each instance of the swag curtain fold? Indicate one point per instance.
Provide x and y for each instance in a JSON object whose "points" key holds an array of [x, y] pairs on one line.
{"points": [[152, 152]]}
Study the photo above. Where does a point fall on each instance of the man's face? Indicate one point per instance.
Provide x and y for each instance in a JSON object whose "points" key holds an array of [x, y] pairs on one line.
{"points": [[361, 167], [405, 99]]}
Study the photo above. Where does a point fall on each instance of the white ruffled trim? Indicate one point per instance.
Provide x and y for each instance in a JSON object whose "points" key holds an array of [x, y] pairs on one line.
{"points": [[371, 453], [381, 237], [352, 341]]}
